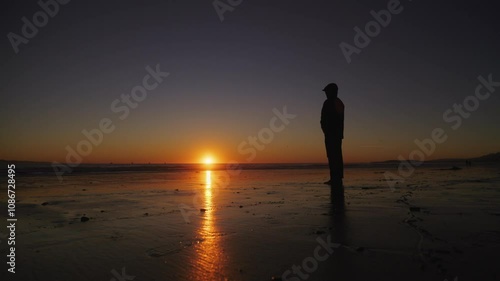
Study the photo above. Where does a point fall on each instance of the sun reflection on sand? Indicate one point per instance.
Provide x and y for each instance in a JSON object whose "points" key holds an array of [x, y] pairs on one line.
{"points": [[210, 259]]}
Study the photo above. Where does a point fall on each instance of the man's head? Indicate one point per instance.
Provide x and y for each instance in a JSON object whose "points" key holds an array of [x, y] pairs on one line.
{"points": [[331, 90]]}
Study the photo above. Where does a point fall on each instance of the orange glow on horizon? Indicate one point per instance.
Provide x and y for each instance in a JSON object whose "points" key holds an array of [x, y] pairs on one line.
{"points": [[355, 150]]}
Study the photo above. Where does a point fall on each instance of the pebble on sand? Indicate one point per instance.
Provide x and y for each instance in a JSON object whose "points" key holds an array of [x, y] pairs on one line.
{"points": [[84, 219]]}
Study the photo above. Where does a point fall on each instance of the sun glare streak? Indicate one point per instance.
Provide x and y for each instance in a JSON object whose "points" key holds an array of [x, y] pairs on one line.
{"points": [[208, 179], [210, 259]]}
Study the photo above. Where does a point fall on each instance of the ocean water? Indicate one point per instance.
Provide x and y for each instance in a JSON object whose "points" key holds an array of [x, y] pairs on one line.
{"points": [[389, 174]]}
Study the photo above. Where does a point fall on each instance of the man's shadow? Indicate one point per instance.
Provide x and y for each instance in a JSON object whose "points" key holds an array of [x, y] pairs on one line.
{"points": [[339, 264], [337, 214], [337, 200]]}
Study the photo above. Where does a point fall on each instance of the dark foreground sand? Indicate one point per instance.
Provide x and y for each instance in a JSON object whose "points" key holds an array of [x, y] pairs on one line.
{"points": [[258, 225]]}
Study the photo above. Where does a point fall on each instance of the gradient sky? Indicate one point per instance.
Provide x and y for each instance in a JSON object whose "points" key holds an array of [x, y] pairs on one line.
{"points": [[226, 78]]}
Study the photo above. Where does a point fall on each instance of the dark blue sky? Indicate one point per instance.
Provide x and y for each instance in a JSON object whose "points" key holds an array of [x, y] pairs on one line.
{"points": [[226, 78]]}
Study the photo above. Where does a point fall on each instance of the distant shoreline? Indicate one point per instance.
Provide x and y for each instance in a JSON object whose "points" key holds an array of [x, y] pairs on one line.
{"points": [[46, 169], [492, 157]]}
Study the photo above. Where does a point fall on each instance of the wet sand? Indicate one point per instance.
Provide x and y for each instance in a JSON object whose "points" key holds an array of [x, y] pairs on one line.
{"points": [[258, 225]]}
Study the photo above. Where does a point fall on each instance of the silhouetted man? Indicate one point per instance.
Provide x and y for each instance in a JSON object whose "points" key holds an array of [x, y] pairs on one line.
{"points": [[332, 124]]}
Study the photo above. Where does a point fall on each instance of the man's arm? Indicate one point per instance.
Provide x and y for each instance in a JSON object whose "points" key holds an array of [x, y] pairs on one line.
{"points": [[339, 111], [324, 118]]}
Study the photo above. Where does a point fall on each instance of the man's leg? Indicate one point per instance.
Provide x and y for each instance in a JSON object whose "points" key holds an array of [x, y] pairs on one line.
{"points": [[335, 160], [328, 146], [338, 162], [331, 165]]}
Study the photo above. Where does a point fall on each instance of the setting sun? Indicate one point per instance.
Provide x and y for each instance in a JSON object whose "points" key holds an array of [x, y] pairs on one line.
{"points": [[208, 160]]}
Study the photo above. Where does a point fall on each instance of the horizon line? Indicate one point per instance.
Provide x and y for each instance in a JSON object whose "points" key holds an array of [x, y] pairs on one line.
{"points": [[225, 163]]}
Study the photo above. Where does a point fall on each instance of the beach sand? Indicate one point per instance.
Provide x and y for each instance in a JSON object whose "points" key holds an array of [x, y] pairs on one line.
{"points": [[258, 225]]}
